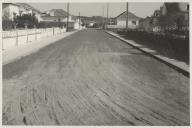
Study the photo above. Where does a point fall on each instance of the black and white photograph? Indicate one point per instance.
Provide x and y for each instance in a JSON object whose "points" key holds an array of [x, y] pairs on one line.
{"points": [[98, 63]]}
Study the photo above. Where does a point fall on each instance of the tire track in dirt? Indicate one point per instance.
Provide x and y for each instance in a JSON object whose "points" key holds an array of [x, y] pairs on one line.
{"points": [[91, 79]]}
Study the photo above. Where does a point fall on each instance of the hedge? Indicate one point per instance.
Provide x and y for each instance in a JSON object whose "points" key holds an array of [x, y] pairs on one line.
{"points": [[166, 44]]}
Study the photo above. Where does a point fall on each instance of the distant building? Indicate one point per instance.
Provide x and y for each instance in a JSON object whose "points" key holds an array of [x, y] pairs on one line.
{"points": [[151, 24], [56, 12], [133, 20], [90, 23], [11, 10], [60, 15], [52, 19], [157, 13], [146, 24], [78, 22], [55, 15]]}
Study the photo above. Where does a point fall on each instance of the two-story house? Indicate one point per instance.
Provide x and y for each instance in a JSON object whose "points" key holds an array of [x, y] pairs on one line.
{"points": [[11, 10]]}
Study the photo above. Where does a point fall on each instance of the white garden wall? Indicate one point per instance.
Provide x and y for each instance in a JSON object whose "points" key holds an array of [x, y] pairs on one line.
{"points": [[14, 38]]}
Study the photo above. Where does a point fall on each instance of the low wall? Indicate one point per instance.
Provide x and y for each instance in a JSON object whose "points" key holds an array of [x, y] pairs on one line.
{"points": [[15, 38]]}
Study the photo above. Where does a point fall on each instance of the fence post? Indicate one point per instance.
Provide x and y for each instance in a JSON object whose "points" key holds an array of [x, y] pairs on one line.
{"points": [[35, 33], [27, 31], [53, 31], [16, 36], [2, 42], [27, 35], [47, 33]]}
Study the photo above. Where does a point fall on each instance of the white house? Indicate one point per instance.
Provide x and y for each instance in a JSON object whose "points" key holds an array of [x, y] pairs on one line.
{"points": [[133, 20], [28, 9], [10, 10], [91, 24], [78, 24], [60, 15], [56, 15]]}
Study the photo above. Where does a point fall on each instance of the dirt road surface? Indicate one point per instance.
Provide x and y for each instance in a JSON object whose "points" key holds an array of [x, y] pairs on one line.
{"points": [[92, 78]]}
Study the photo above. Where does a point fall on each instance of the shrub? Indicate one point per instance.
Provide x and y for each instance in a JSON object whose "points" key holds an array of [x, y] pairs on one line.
{"points": [[51, 24], [166, 44], [26, 19], [7, 24]]}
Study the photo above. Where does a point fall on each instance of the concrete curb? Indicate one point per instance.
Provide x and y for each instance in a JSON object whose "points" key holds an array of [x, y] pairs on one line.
{"points": [[16, 53], [177, 65]]}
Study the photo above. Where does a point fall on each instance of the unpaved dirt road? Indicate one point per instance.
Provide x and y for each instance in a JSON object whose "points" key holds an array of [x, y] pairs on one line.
{"points": [[92, 78]]}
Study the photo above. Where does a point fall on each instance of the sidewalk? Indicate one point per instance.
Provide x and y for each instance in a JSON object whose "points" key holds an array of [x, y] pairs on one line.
{"points": [[178, 65], [15, 53]]}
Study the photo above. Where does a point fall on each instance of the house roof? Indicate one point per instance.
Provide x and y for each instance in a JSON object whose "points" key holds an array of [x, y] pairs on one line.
{"points": [[147, 19], [27, 6], [130, 15], [6, 4], [59, 12], [24, 5]]}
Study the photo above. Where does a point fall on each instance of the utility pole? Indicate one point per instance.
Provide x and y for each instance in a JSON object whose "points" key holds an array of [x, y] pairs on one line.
{"points": [[103, 18], [127, 17], [79, 21], [67, 28], [107, 13]]}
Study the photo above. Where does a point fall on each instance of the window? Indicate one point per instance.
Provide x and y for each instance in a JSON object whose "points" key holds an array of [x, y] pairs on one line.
{"points": [[134, 22], [14, 15], [187, 7]]}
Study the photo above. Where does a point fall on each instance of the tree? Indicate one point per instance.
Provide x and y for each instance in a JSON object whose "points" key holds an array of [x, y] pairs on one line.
{"points": [[173, 17], [26, 19], [6, 22], [172, 8], [180, 21]]}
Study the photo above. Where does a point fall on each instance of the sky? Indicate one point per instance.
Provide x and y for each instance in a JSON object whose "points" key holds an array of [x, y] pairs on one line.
{"points": [[96, 9]]}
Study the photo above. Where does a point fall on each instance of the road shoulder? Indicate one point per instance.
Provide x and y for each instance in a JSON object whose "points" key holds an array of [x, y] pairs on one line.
{"points": [[178, 65], [15, 53]]}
